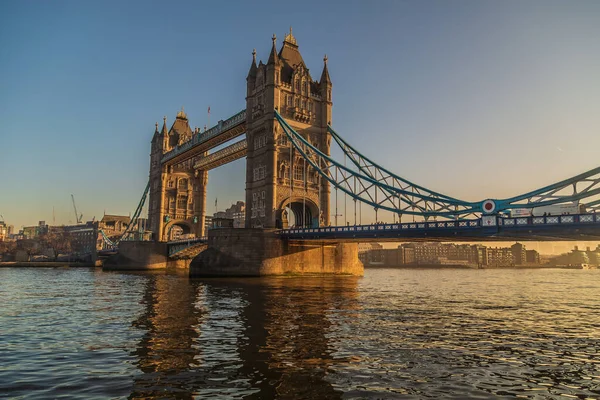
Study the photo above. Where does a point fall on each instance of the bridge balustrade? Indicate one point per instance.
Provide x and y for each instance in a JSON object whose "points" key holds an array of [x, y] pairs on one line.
{"points": [[461, 225]]}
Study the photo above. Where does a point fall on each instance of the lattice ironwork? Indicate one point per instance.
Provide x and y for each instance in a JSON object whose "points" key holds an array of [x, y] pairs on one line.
{"points": [[372, 184]]}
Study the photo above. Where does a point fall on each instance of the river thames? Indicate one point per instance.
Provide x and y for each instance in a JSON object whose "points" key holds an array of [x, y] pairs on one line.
{"points": [[84, 333]]}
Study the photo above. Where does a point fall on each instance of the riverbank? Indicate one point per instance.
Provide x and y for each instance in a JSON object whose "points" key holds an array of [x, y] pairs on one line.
{"points": [[45, 264]]}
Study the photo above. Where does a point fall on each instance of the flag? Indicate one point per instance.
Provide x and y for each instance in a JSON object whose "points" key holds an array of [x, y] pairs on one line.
{"points": [[209, 109], [215, 202]]}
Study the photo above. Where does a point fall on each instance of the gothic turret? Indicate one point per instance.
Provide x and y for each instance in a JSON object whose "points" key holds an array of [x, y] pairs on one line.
{"points": [[325, 80], [273, 57], [251, 78], [156, 134]]}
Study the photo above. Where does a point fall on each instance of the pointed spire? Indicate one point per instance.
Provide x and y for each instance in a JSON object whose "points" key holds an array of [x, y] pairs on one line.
{"points": [[252, 72], [325, 74], [273, 57], [164, 127], [156, 133]]}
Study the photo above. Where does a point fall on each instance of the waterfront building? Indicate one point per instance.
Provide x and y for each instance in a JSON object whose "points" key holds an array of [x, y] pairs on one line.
{"points": [[532, 257], [518, 252], [450, 254]]}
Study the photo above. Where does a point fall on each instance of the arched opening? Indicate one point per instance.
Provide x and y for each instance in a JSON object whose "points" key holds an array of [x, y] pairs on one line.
{"points": [[299, 213], [178, 231]]}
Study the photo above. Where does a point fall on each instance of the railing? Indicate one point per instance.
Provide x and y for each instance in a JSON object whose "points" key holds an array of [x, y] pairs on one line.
{"points": [[176, 246], [202, 137], [467, 224], [190, 241]]}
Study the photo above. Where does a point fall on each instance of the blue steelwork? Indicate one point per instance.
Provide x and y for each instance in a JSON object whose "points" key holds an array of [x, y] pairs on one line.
{"points": [[202, 137], [560, 227], [366, 188], [402, 197], [136, 215]]}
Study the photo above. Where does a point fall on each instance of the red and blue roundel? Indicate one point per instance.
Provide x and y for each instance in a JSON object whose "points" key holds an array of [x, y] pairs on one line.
{"points": [[488, 206]]}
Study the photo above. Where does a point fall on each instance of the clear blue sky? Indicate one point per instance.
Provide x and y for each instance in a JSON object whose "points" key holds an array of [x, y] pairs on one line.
{"points": [[475, 99]]}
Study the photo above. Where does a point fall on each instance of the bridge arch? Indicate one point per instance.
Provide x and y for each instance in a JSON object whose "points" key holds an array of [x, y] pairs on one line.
{"points": [[298, 212], [177, 227]]}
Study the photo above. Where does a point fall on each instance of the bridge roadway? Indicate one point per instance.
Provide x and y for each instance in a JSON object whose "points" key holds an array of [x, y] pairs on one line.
{"points": [[545, 228]]}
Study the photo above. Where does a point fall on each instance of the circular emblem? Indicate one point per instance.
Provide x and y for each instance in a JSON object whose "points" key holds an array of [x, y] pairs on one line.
{"points": [[488, 206]]}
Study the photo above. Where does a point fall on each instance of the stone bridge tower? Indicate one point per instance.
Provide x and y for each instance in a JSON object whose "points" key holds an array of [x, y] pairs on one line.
{"points": [[281, 189], [177, 200]]}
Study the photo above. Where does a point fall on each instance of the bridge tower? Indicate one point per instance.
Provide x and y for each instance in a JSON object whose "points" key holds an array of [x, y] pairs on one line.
{"points": [[281, 189], [177, 199]]}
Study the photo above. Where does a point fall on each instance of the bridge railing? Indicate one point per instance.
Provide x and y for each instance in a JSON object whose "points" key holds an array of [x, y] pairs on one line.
{"points": [[458, 224], [202, 137], [192, 240], [176, 246]]}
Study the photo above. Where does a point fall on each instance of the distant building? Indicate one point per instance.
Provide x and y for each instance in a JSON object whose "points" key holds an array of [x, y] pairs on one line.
{"points": [[434, 253], [364, 252], [532, 257], [237, 213], [33, 232], [518, 252], [3, 231], [218, 223]]}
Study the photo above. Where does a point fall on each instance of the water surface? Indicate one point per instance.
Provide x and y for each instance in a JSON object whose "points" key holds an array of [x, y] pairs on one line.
{"points": [[84, 333]]}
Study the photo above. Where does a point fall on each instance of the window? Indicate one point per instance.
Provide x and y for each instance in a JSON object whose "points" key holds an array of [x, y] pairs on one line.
{"points": [[259, 172], [298, 172], [304, 87], [297, 85], [289, 100], [297, 103], [304, 104], [183, 184], [310, 106], [260, 141], [181, 202]]}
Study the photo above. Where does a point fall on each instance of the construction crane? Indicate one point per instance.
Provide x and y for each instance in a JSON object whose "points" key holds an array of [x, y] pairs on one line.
{"points": [[78, 219]]}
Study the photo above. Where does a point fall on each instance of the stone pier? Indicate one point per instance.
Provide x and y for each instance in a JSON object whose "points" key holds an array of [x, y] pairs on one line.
{"points": [[258, 252], [142, 256]]}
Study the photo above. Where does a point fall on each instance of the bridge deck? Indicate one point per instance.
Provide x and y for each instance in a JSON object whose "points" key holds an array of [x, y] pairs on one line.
{"points": [[549, 228], [204, 141]]}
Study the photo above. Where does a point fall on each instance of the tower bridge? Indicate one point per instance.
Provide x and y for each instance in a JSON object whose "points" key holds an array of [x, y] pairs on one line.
{"points": [[285, 134]]}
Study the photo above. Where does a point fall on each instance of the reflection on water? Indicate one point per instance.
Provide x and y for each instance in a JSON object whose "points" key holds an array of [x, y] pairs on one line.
{"points": [[392, 334]]}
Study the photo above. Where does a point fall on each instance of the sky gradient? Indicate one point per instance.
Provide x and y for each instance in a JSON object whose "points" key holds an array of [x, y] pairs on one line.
{"points": [[474, 99]]}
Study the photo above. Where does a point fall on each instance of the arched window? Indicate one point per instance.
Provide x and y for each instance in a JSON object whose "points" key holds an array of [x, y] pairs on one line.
{"points": [[304, 87], [297, 85]]}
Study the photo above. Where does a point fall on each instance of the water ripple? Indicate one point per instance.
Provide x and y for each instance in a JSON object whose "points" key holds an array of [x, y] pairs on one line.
{"points": [[397, 334]]}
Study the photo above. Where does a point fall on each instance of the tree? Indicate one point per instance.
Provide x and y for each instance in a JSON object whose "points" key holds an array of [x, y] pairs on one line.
{"points": [[60, 241]]}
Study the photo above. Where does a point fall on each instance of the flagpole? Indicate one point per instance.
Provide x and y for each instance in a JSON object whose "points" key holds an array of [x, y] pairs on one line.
{"points": [[208, 117]]}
